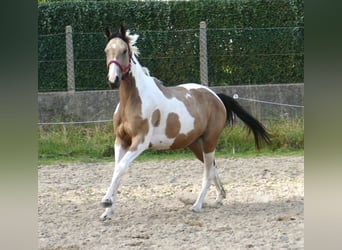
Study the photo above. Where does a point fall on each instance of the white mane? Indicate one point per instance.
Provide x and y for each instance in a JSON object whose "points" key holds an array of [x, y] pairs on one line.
{"points": [[132, 41]]}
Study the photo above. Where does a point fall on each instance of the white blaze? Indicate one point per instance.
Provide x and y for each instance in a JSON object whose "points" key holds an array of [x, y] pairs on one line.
{"points": [[112, 72]]}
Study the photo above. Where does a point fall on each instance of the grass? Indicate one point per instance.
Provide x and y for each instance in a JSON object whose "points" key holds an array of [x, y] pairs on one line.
{"points": [[94, 143]]}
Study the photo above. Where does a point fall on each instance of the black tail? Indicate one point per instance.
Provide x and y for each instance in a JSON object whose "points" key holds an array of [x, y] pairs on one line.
{"points": [[253, 124]]}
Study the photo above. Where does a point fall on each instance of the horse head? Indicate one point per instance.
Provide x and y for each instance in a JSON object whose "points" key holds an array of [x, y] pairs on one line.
{"points": [[118, 56]]}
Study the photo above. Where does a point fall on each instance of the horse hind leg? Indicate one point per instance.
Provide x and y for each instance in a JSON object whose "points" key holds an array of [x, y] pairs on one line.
{"points": [[220, 192], [210, 173], [208, 176]]}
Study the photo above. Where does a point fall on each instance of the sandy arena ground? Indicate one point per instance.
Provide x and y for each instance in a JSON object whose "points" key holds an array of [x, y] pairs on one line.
{"points": [[264, 208]]}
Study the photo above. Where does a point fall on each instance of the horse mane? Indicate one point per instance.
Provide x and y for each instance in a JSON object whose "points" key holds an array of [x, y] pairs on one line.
{"points": [[132, 38]]}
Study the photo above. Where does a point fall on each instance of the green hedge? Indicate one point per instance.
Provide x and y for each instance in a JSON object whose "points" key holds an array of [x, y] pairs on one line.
{"points": [[249, 42]]}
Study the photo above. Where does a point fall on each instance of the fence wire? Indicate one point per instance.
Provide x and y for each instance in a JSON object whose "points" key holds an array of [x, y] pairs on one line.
{"points": [[234, 56]]}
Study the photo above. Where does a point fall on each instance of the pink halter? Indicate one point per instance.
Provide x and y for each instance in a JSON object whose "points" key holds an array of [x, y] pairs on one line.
{"points": [[124, 70]]}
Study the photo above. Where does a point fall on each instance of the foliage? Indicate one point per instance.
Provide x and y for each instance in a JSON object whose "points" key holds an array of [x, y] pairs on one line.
{"points": [[95, 142], [249, 42]]}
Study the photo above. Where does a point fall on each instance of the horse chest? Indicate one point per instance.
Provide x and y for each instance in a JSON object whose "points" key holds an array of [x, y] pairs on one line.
{"points": [[129, 124]]}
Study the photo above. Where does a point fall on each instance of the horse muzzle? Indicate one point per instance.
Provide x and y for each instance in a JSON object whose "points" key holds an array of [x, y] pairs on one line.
{"points": [[114, 76], [114, 84], [115, 73]]}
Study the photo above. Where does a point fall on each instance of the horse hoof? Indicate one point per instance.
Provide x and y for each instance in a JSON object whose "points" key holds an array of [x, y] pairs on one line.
{"points": [[195, 209], [105, 217], [219, 203], [106, 203]]}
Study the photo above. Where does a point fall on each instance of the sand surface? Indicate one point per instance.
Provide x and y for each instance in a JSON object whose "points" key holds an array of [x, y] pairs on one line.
{"points": [[264, 207]]}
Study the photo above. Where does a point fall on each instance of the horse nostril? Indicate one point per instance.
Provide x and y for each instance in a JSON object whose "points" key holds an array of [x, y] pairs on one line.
{"points": [[116, 80]]}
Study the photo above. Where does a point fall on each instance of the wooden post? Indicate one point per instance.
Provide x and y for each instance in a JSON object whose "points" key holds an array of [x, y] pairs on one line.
{"points": [[70, 58], [203, 54]]}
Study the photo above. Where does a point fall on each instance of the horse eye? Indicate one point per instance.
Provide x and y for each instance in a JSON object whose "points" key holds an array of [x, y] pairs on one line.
{"points": [[125, 51]]}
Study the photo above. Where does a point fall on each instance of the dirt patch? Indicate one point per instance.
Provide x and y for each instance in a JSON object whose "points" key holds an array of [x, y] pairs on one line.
{"points": [[264, 207]]}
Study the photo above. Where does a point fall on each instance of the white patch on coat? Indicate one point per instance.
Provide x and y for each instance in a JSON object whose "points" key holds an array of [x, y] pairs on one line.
{"points": [[152, 98], [113, 72], [190, 86], [166, 106]]}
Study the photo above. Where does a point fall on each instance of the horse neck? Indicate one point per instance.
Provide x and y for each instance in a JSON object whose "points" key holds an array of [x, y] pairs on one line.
{"points": [[133, 83], [142, 80], [137, 69], [126, 86]]}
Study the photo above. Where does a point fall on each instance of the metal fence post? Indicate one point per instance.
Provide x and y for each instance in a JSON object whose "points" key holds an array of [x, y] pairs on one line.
{"points": [[203, 54], [70, 58]]}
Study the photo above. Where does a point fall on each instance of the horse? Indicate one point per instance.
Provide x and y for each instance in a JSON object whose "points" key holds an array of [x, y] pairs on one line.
{"points": [[151, 115]]}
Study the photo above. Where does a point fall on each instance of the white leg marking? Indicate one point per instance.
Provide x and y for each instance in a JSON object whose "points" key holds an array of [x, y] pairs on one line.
{"points": [[220, 192], [208, 175], [123, 160], [107, 200]]}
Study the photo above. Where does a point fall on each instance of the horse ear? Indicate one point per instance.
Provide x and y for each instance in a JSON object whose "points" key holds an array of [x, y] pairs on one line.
{"points": [[108, 33], [122, 30]]}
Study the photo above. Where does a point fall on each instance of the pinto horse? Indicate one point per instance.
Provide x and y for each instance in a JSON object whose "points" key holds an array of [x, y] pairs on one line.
{"points": [[150, 115]]}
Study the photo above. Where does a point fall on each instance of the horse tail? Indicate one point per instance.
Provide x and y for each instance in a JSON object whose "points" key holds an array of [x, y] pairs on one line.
{"points": [[259, 131]]}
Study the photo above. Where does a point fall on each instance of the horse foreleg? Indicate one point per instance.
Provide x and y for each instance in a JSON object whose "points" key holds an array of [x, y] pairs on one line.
{"points": [[208, 175], [123, 162], [107, 200]]}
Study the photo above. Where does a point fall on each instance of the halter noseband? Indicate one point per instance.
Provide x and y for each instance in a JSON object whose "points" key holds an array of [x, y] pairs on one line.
{"points": [[124, 70]]}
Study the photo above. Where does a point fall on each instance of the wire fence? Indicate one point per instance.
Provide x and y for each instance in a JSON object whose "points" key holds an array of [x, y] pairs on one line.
{"points": [[213, 56], [75, 61]]}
